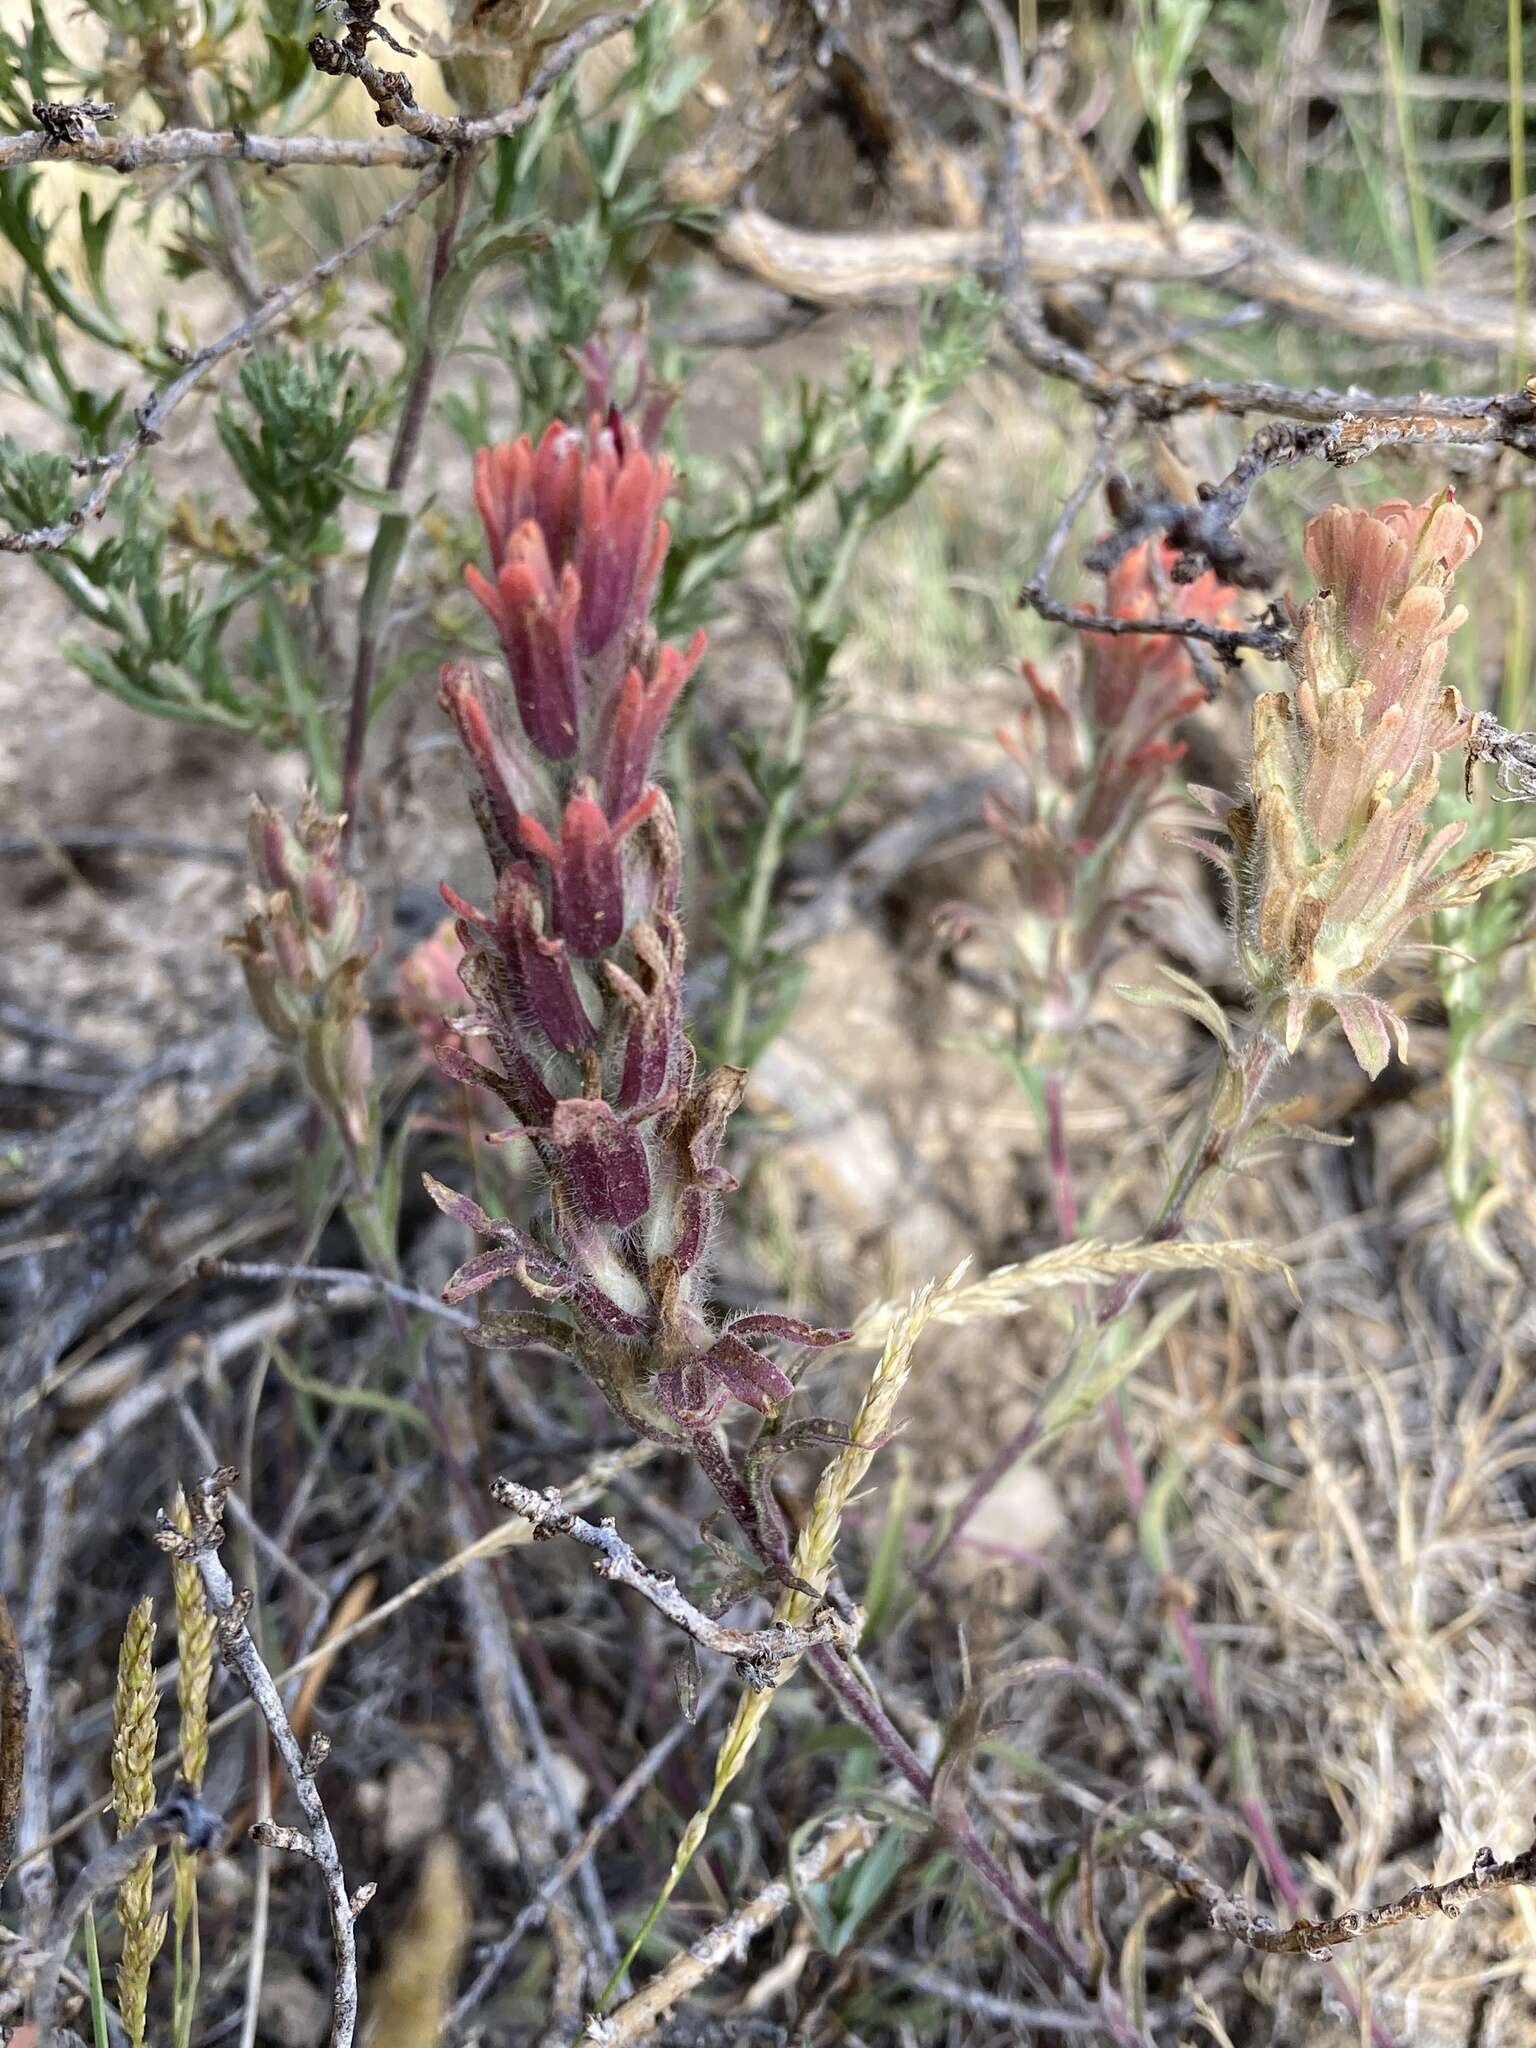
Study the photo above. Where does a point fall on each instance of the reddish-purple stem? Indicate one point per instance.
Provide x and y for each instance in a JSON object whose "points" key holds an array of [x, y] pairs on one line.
{"points": [[1195, 1659], [1125, 1451], [992, 1474], [961, 1831], [866, 1710], [1170, 1224], [1278, 1870]]}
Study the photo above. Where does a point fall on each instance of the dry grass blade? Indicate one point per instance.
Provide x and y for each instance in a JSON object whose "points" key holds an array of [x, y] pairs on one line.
{"points": [[416, 1983], [194, 1644], [1164, 1633], [637, 2017], [133, 1795]]}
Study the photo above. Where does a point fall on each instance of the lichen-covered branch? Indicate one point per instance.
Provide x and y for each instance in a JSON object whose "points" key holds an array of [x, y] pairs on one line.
{"points": [[38, 1883], [424, 139], [757, 1653], [151, 417], [239, 1652], [1233, 1916]]}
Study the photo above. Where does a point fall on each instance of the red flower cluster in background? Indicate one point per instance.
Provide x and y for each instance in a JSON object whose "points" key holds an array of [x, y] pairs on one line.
{"points": [[1095, 745]]}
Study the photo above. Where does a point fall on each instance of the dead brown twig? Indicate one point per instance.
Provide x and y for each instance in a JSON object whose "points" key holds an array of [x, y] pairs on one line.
{"points": [[711, 171], [854, 269], [239, 1652], [535, 1804], [1314, 1938], [1203, 533], [426, 138], [757, 1653], [13, 1735]]}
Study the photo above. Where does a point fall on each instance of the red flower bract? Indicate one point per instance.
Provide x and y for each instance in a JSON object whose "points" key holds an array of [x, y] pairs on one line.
{"points": [[592, 509], [576, 972]]}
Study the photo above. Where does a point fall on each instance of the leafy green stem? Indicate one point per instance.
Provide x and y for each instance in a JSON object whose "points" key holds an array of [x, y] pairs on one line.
{"points": [[816, 640], [390, 537]]}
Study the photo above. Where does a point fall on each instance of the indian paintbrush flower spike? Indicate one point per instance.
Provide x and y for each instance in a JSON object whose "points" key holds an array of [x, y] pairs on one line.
{"points": [[304, 955], [576, 972], [1096, 748], [575, 533], [647, 405], [1332, 852]]}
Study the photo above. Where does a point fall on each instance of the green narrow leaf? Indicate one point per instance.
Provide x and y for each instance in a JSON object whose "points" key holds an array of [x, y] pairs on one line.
{"points": [[885, 1573], [303, 704], [100, 2032], [1108, 1366], [870, 1879], [369, 1398]]}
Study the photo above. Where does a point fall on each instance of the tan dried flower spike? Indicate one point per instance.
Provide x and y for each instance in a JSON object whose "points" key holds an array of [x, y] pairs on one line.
{"points": [[133, 1794], [1332, 855]]}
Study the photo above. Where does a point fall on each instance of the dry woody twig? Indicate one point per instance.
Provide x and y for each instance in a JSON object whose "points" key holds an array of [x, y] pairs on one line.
{"points": [[1314, 1938], [635, 2019], [757, 1653], [13, 1735], [318, 1844]]}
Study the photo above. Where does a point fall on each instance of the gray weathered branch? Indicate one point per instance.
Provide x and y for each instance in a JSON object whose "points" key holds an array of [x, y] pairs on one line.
{"points": [[1231, 1915], [428, 137], [241, 1655], [757, 1653], [835, 269], [180, 1817]]}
